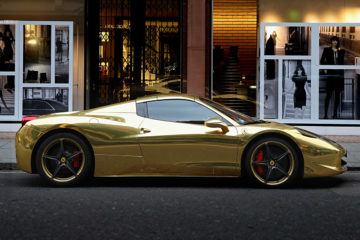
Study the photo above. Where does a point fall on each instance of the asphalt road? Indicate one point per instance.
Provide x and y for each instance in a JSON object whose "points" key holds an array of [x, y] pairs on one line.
{"points": [[179, 208]]}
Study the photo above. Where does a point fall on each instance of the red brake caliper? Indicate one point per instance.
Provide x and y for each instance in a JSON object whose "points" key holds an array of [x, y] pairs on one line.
{"points": [[76, 162], [259, 157]]}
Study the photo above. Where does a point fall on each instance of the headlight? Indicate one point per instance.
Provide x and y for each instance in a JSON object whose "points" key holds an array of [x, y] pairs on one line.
{"points": [[314, 135], [306, 133]]}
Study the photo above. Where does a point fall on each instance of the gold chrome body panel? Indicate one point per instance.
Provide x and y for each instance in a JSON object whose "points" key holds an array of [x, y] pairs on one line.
{"points": [[125, 144]]}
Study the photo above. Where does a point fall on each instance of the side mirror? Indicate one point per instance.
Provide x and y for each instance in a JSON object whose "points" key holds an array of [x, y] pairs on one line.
{"points": [[217, 123]]}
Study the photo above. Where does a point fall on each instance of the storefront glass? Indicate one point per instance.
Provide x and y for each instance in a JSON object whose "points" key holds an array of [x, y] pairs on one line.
{"points": [[138, 50], [35, 68], [312, 77], [7, 70]]}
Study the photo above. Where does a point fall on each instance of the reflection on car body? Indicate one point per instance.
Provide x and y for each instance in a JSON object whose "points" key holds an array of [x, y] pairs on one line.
{"points": [[172, 135]]}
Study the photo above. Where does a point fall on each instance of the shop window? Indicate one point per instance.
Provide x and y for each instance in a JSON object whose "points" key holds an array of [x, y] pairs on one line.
{"points": [[287, 40], [321, 87], [37, 53], [271, 89], [296, 94], [62, 54], [348, 47], [35, 68], [40, 101]]}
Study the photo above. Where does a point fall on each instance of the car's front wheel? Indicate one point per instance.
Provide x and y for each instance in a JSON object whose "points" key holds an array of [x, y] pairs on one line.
{"points": [[272, 162], [64, 159]]}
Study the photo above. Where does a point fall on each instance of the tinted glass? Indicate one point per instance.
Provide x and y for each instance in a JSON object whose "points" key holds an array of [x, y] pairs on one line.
{"points": [[181, 111], [141, 109]]}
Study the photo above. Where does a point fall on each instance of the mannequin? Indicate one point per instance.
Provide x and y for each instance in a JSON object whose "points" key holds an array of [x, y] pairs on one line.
{"points": [[299, 79], [333, 55], [270, 50]]}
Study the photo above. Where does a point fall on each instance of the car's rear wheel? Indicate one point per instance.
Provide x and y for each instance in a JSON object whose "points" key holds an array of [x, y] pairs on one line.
{"points": [[64, 159], [272, 162]]}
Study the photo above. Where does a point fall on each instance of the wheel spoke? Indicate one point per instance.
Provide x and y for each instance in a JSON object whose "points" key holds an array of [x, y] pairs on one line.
{"points": [[57, 170], [74, 155], [268, 174], [54, 158], [280, 169], [268, 151], [68, 166], [263, 163], [282, 156], [62, 150]]}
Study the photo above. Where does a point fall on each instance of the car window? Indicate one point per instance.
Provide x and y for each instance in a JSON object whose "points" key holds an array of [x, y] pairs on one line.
{"points": [[184, 111]]}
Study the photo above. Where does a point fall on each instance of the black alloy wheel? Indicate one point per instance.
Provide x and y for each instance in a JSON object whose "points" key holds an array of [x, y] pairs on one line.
{"points": [[64, 159], [272, 162]]}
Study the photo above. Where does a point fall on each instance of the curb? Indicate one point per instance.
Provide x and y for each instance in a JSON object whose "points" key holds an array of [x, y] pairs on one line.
{"points": [[353, 168], [8, 166]]}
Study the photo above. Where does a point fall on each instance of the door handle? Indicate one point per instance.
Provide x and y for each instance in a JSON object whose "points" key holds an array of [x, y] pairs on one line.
{"points": [[144, 130]]}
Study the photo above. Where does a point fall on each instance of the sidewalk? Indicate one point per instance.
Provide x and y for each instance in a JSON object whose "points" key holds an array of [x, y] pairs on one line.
{"points": [[8, 159]]}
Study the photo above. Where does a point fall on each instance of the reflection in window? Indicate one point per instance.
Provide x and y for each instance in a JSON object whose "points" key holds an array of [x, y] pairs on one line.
{"points": [[7, 47], [62, 54], [344, 51], [271, 89], [40, 101], [287, 40], [296, 89], [339, 94], [7, 95], [180, 111], [37, 53]]}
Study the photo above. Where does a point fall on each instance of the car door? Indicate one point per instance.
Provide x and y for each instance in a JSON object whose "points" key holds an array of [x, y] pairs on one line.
{"points": [[175, 141]]}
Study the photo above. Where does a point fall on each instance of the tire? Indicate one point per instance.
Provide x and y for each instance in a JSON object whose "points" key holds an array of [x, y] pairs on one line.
{"points": [[272, 162], [64, 159]]}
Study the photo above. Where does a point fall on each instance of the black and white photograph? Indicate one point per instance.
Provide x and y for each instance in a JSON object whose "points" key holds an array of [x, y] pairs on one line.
{"points": [[40, 101], [62, 54], [338, 94], [271, 89], [7, 48], [287, 40], [296, 89], [339, 45], [7, 93], [37, 54]]}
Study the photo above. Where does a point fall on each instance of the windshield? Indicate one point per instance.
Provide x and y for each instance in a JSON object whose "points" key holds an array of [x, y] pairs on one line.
{"points": [[234, 115]]}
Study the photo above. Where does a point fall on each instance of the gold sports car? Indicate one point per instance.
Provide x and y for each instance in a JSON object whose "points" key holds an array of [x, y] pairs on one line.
{"points": [[171, 135]]}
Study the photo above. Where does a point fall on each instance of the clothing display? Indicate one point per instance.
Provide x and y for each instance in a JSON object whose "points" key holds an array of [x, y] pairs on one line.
{"points": [[270, 64], [300, 93], [334, 77]]}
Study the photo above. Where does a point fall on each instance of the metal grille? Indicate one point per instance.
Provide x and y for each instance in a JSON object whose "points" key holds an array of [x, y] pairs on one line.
{"points": [[139, 49]]}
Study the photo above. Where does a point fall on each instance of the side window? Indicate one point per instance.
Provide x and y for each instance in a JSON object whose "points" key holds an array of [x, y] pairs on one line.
{"points": [[184, 111], [141, 109]]}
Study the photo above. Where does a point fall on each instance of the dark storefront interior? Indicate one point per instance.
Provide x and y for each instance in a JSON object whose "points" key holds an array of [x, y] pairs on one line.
{"points": [[138, 46]]}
